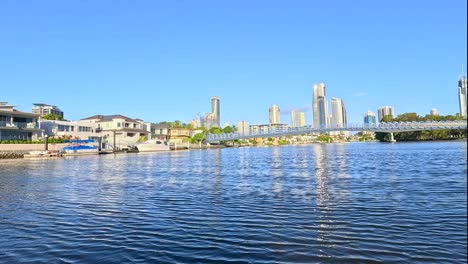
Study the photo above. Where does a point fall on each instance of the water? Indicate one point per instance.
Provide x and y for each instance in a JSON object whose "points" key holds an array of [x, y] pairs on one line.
{"points": [[332, 203]]}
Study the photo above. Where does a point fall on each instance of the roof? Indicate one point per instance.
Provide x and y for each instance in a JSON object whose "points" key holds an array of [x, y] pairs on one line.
{"points": [[15, 112], [41, 104], [125, 129], [159, 126], [110, 118]]}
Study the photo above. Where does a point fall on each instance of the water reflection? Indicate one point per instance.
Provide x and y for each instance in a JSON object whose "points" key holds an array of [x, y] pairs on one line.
{"points": [[276, 170], [321, 175]]}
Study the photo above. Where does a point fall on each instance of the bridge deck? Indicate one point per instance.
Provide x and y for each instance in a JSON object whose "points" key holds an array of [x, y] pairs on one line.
{"points": [[390, 127]]}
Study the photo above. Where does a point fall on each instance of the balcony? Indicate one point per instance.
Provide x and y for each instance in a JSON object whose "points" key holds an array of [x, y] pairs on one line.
{"points": [[19, 125]]}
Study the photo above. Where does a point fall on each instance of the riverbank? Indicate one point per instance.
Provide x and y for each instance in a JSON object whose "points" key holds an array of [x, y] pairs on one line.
{"points": [[21, 151], [11, 155]]}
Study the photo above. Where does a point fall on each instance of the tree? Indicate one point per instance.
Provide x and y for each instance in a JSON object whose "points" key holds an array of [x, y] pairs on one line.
{"points": [[387, 118], [325, 138], [229, 129], [52, 117], [253, 141], [381, 136], [407, 117], [198, 137], [365, 137], [215, 130], [177, 124]]}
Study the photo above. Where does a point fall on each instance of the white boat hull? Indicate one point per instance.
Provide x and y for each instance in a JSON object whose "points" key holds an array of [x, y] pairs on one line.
{"points": [[152, 146]]}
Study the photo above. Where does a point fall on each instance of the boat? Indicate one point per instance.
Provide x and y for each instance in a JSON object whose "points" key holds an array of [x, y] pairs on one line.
{"points": [[152, 145], [43, 154], [80, 147]]}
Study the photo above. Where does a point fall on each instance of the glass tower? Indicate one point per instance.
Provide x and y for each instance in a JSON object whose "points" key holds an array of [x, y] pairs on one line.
{"points": [[297, 118], [385, 111], [462, 95], [215, 111], [369, 118], [338, 112], [274, 114], [320, 106]]}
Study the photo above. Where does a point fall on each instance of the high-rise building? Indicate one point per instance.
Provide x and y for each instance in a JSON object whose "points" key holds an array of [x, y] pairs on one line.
{"points": [[462, 95], [45, 109], [320, 106], [369, 118], [434, 112], [297, 118], [195, 123], [208, 121], [243, 127], [215, 111], [274, 113], [345, 115], [338, 113], [385, 111]]}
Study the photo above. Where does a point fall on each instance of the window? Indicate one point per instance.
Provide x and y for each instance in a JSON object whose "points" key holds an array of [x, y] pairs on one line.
{"points": [[84, 129], [63, 128]]}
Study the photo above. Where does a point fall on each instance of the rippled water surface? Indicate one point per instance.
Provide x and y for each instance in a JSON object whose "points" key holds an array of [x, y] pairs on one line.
{"points": [[332, 203]]}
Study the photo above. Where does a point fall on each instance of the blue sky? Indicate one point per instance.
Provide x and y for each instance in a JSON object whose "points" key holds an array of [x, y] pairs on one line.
{"points": [[164, 60]]}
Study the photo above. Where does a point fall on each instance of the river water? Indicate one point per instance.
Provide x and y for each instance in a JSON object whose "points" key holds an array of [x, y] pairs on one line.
{"points": [[320, 203]]}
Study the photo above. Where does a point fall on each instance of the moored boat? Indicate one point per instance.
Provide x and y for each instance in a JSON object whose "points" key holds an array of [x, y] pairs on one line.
{"points": [[153, 145], [42, 154], [80, 147]]}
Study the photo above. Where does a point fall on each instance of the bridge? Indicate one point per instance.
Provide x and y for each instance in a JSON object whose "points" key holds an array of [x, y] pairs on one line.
{"points": [[389, 127]]}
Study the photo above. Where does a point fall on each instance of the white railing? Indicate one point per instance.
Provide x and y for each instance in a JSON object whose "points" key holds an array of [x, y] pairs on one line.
{"points": [[381, 127]]}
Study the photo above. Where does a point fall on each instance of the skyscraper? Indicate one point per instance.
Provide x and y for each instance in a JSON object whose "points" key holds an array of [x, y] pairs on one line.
{"points": [[385, 111], [462, 95], [215, 111], [243, 127], [369, 118], [434, 112], [338, 112], [274, 114], [297, 118], [320, 106], [345, 115], [208, 121]]}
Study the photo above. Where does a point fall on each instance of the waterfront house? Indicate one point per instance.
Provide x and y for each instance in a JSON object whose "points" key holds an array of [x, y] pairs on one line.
{"points": [[17, 125], [179, 135], [157, 131], [71, 129], [119, 130]]}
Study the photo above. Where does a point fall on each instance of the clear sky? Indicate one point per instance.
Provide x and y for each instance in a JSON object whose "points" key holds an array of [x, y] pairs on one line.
{"points": [[164, 60]]}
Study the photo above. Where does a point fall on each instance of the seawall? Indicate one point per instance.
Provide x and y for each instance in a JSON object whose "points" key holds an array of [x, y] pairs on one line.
{"points": [[17, 151]]}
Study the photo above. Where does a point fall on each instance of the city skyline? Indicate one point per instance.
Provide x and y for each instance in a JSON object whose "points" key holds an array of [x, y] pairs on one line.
{"points": [[337, 117], [131, 58]]}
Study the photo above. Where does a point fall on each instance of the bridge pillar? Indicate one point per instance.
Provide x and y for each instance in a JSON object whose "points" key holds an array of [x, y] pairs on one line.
{"points": [[391, 139]]}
